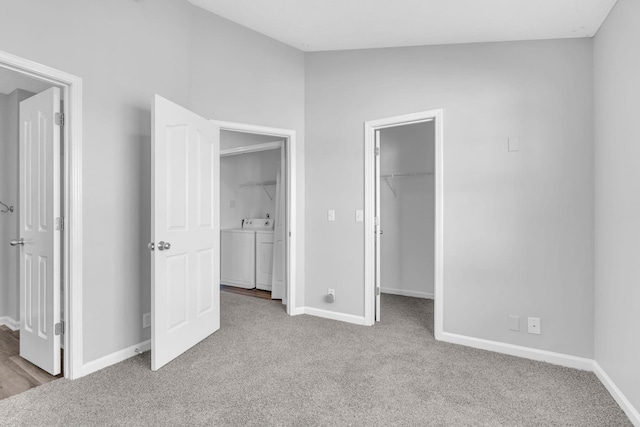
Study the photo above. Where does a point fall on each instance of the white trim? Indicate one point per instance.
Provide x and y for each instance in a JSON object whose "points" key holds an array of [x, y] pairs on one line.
{"points": [[251, 148], [334, 315], [71, 87], [405, 293], [297, 311], [290, 147], [369, 199], [116, 357], [10, 323], [617, 394], [520, 351]]}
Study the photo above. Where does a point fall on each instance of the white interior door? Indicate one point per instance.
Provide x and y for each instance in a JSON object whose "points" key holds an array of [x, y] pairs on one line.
{"points": [[39, 240], [278, 288], [185, 289], [378, 231]]}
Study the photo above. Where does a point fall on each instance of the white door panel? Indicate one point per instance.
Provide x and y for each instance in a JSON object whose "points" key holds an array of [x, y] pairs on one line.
{"points": [[185, 291], [40, 271], [377, 224]]}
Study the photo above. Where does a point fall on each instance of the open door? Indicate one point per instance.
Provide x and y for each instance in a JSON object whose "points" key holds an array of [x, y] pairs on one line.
{"points": [[40, 231], [378, 231], [185, 230], [278, 288]]}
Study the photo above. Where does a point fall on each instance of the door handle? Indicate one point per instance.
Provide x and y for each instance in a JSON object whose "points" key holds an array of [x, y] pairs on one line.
{"points": [[16, 242], [164, 246], [151, 246]]}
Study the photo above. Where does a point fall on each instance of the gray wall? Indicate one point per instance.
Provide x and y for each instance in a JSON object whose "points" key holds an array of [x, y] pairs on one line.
{"points": [[126, 51], [239, 75], [407, 217], [617, 186], [9, 226], [518, 227]]}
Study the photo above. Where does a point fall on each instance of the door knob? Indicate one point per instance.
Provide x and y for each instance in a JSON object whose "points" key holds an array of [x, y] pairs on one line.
{"points": [[164, 246], [151, 246], [16, 242]]}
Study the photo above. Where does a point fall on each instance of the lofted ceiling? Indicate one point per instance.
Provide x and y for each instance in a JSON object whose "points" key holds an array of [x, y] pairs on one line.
{"points": [[319, 25]]}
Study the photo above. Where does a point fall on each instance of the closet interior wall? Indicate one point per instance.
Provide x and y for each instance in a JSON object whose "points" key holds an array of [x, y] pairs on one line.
{"points": [[407, 209], [238, 201]]}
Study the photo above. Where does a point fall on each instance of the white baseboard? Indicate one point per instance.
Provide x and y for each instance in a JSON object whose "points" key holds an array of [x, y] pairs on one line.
{"points": [[295, 311], [615, 392], [333, 315], [520, 351], [405, 293], [10, 323], [116, 357]]}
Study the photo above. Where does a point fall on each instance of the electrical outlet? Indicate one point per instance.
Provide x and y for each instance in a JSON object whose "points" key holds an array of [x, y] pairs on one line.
{"points": [[514, 323], [331, 296], [331, 215], [359, 215], [534, 325], [146, 320]]}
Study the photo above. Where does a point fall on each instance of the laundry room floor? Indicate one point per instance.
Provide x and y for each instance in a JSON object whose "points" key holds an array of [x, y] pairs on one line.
{"points": [[258, 293]]}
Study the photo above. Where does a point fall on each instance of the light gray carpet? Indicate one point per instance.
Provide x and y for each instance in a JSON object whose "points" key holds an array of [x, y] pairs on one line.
{"points": [[265, 368]]}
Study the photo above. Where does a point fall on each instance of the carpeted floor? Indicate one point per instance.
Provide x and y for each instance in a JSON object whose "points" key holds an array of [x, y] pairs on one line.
{"points": [[265, 368]]}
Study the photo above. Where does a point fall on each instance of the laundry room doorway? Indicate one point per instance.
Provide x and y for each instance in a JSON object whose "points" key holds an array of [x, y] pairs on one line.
{"points": [[257, 214]]}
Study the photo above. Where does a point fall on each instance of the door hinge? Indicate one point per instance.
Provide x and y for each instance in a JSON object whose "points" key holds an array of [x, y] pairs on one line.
{"points": [[59, 225], [59, 328], [60, 119], [377, 151], [377, 291]]}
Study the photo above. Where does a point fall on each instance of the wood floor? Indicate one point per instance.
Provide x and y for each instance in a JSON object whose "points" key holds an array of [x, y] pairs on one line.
{"points": [[16, 374], [258, 293]]}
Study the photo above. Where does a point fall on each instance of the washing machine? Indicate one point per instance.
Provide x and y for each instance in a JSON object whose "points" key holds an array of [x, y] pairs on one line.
{"points": [[246, 259]]}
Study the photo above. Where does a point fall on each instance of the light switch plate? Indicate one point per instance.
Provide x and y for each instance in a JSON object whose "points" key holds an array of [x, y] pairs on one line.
{"points": [[514, 323], [331, 215], [514, 144], [359, 215]]}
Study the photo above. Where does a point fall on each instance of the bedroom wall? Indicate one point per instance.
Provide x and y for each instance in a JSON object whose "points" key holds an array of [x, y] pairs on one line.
{"points": [[518, 226], [617, 207], [125, 52]]}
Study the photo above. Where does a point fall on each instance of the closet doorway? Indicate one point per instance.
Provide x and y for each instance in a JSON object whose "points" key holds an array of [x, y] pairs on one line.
{"points": [[256, 211], [403, 201]]}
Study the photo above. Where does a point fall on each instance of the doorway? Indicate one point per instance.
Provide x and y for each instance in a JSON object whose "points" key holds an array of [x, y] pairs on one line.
{"points": [[60, 323], [253, 214], [396, 176], [246, 138]]}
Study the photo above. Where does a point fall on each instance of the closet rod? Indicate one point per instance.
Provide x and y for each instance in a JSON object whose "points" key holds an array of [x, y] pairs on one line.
{"points": [[260, 184], [402, 175], [7, 208]]}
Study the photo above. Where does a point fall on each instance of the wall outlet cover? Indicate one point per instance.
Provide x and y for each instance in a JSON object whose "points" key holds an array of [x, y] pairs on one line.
{"points": [[534, 325]]}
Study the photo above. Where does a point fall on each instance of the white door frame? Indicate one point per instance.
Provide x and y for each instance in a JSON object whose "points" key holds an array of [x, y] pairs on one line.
{"points": [[370, 128], [71, 87], [290, 148]]}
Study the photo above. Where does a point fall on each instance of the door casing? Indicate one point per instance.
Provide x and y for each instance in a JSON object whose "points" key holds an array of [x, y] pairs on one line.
{"points": [[370, 128], [71, 88]]}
